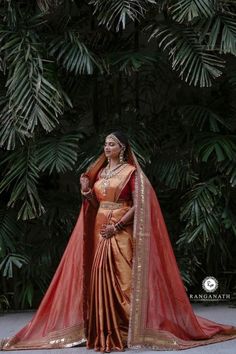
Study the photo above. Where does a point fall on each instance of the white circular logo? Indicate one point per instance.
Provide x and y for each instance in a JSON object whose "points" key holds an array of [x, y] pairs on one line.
{"points": [[210, 284]]}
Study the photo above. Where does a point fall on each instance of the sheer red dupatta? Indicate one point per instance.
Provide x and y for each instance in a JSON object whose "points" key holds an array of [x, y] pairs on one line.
{"points": [[61, 319], [161, 314]]}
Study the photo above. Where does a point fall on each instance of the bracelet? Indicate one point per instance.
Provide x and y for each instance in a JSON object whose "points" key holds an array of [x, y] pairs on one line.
{"points": [[119, 225], [88, 195]]}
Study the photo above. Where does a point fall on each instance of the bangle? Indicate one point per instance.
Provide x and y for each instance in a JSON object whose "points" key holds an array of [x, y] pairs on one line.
{"points": [[119, 225], [88, 194]]}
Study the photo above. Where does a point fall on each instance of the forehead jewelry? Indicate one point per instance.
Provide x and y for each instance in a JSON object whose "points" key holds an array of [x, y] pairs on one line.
{"points": [[113, 137]]}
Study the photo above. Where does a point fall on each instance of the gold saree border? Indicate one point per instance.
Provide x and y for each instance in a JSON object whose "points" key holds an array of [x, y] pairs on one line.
{"points": [[138, 335], [63, 338]]}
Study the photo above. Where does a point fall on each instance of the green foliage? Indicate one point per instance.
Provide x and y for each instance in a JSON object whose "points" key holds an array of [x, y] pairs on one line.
{"points": [[187, 55], [71, 72], [223, 147], [33, 96], [73, 55], [58, 153], [119, 11], [4, 303], [22, 174], [187, 10]]}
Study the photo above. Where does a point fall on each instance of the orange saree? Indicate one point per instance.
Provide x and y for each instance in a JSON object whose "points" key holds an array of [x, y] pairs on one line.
{"points": [[110, 287], [126, 290]]}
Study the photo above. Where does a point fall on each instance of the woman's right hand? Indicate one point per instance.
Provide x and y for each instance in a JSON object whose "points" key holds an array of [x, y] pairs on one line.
{"points": [[84, 182]]}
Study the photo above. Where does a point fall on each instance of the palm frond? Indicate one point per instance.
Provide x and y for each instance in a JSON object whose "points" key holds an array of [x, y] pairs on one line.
{"points": [[11, 260], [10, 228], [4, 303], [220, 33], [195, 65], [117, 12], [21, 175], [202, 118], [229, 219], [220, 146], [12, 130], [202, 212], [46, 5], [187, 10], [132, 62], [173, 173], [73, 54], [58, 153], [228, 168], [34, 98]]}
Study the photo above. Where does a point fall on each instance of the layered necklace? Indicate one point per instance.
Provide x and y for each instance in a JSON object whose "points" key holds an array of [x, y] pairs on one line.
{"points": [[107, 174]]}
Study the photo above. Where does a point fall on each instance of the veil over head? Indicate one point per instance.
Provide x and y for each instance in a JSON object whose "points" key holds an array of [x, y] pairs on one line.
{"points": [[161, 316]]}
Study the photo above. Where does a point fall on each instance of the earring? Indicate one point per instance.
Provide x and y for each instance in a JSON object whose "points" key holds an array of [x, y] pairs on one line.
{"points": [[122, 156], [108, 161]]}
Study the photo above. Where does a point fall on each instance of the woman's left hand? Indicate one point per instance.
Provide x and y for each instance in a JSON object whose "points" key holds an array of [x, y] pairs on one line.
{"points": [[108, 231]]}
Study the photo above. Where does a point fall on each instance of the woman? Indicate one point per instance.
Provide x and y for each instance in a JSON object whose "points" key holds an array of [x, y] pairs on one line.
{"points": [[118, 282]]}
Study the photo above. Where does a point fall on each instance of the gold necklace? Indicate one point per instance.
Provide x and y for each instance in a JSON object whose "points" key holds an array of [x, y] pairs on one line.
{"points": [[108, 175]]}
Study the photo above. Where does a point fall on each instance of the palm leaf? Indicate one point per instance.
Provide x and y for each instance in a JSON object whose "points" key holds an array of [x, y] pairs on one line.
{"points": [[229, 219], [228, 168], [187, 10], [203, 118], [202, 210], [21, 175], [131, 62], [116, 12], [10, 261], [46, 5], [194, 64], [34, 97], [58, 153], [219, 146], [173, 173], [220, 33], [73, 54], [9, 230], [12, 130]]}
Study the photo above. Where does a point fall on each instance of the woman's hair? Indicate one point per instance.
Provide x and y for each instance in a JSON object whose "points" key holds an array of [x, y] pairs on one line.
{"points": [[122, 137]]}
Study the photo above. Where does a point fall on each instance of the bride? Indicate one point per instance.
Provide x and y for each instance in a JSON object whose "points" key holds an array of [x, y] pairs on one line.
{"points": [[118, 284]]}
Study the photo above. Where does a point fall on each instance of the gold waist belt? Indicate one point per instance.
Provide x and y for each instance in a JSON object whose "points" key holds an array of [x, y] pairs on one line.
{"points": [[113, 205]]}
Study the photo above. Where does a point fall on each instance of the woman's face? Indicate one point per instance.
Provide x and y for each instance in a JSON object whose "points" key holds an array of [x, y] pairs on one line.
{"points": [[111, 148]]}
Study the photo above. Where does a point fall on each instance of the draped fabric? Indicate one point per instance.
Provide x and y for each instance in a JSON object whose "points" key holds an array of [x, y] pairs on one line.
{"points": [[155, 309], [110, 289]]}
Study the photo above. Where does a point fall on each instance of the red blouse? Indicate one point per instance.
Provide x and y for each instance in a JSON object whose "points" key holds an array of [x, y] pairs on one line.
{"points": [[126, 193]]}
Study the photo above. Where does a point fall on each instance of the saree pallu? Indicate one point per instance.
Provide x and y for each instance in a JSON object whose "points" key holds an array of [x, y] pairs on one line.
{"points": [[160, 314]]}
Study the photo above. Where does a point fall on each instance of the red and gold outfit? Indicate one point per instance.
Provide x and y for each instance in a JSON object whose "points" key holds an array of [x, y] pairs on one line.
{"points": [[112, 267], [124, 290]]}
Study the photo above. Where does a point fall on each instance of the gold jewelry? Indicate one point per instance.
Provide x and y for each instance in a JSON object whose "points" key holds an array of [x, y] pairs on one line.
{"points": [[112, 136], [121, 157], [119, 225], [108, 175]]}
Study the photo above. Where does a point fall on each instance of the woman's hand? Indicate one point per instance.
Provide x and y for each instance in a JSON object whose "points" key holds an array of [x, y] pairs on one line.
{"points": [[108, 231], [84, 182]]}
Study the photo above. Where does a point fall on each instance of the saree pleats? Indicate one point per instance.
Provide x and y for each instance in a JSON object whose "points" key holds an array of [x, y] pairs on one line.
{"points": [[110, 286]]}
